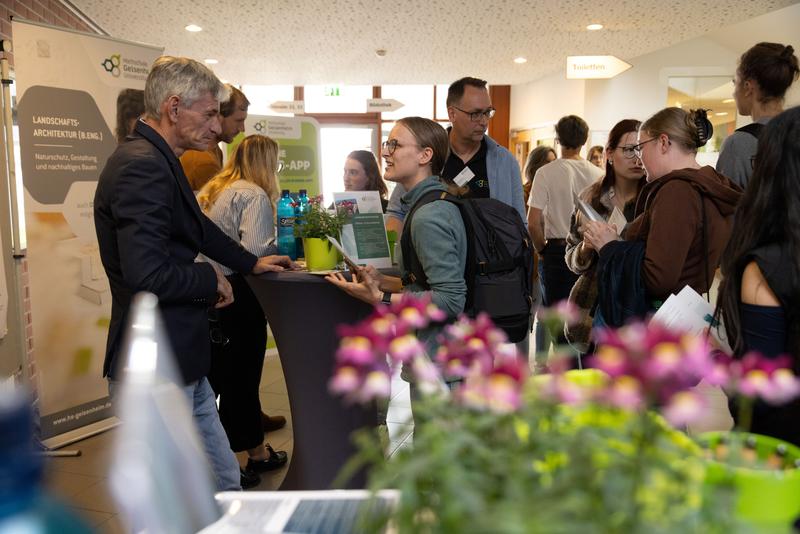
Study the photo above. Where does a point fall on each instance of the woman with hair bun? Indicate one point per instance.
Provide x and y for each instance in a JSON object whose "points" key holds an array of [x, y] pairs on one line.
{"points": [[683, 216], [765, 73]]}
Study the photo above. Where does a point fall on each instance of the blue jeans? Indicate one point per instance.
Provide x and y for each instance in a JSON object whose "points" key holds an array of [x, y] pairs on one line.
{"points": [[212, 435]]}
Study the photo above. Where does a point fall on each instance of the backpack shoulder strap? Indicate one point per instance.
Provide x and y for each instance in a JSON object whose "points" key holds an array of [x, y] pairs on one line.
{"points": [[754, 129], [411, 264]]}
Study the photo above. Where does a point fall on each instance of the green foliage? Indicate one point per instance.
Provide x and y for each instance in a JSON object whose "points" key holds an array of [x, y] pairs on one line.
{"points": [[545, 469], [320, 223]]}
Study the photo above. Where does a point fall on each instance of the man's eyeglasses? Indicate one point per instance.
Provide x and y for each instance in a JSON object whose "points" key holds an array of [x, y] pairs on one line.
{"points": [[391, 145], [637, 149], [476, 116]]}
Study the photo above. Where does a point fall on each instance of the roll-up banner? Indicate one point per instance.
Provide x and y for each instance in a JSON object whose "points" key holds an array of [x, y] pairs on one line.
{"points": [[67, 88], [298, 139]]}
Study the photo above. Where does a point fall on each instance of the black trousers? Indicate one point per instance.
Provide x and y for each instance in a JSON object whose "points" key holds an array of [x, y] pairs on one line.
{"points": [[557, 279], [238, 343]]}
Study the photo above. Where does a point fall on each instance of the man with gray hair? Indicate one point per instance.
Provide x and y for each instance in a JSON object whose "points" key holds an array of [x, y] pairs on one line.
{"points": [[201, 165], [150, 230]]}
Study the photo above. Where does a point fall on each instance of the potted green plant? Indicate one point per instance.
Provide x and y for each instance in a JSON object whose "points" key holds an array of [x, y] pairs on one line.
{"points": [[575, 451], [317, 224], [762, 469]]}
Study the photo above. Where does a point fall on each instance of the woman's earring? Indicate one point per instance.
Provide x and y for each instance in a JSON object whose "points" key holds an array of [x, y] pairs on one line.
{"points": [[611, 162]]}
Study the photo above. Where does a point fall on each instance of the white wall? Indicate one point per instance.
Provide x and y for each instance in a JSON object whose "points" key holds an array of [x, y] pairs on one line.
{"points": [[642, 90]]}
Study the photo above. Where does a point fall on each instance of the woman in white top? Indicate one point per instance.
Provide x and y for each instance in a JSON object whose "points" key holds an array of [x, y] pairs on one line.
{"points": [[241, 201]]}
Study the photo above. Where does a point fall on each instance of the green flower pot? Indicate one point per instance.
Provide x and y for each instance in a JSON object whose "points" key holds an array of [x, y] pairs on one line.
{"points": [[769, 500], [321, 255]]}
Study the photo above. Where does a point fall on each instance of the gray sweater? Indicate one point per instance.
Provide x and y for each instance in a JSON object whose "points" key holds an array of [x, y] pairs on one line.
{"points": [[734, 156], [440, 241]]}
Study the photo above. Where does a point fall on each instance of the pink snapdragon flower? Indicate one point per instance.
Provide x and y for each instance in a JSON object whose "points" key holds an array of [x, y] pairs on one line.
{"points": [[499, 391]]}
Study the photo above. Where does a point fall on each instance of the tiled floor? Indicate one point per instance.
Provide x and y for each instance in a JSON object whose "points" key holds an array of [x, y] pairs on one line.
{"points": [[82, 482]]}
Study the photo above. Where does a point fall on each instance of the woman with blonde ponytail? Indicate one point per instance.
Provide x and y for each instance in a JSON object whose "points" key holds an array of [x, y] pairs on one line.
{"points": [[682, 221], [241, 201]]}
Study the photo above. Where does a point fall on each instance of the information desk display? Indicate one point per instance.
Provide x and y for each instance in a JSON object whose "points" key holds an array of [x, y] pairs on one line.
{"points": [[303, 311]]}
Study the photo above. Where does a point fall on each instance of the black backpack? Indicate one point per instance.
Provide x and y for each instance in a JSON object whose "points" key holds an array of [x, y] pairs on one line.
{"points": [[754, 129], [499, 264]]}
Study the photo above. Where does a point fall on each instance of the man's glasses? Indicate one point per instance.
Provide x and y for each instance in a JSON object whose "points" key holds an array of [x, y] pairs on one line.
{"points": [[476, 116], [637, 149], [391, 145]]}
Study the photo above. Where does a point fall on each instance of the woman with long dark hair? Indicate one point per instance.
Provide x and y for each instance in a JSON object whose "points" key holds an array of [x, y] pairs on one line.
{"points": [[618, 189], [538, 157], [759, 298], [361, 173]]}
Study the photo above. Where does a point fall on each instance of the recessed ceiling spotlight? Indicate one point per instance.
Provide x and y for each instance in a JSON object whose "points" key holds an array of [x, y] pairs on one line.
{"points": [[380, 52], [211, 61], [193, 28], [594, 27], [728, 101], [520, 60]]}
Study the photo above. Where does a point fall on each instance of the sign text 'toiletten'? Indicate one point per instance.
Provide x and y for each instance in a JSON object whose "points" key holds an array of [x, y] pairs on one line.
{"points": [[594, 67]]}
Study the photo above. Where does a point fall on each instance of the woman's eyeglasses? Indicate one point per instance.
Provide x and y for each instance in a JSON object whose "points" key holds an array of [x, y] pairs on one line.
{"points": [[637, 149], [628, 151], [391, 145]]}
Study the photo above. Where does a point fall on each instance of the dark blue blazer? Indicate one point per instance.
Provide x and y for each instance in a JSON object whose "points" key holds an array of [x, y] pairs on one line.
{"points": [[150, 230]]}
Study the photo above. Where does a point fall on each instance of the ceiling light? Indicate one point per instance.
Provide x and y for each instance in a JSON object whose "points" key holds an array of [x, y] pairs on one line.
{"points": [[224, 81], [594, 27], [211, 61], [678, 104], [721, 113], [728, 101], [520, 60], [193, 28]]}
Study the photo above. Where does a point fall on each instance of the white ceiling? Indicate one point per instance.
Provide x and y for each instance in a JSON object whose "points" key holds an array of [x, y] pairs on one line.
{"points": [[427, 41]]}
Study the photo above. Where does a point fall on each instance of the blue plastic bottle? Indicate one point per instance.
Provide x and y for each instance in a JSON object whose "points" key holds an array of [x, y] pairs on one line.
{"points": [[300, 213], [286, 216], [24, 506]]}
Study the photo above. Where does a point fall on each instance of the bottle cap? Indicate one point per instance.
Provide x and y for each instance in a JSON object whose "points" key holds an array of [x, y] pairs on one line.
{"points": [[303, 191], [285, 193]]}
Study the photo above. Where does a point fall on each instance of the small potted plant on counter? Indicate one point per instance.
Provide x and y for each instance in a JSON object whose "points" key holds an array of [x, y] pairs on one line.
{"points": [[315, 227]]}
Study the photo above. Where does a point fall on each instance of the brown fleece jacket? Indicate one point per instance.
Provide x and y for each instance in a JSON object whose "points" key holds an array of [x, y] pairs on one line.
{"points": [[669, 219]]}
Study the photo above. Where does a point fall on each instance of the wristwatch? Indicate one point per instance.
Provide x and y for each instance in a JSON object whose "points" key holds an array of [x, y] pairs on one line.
{"points": [[386, 298]]}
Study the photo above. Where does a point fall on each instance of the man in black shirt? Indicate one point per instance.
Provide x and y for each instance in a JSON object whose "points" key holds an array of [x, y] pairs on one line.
{"points": [[475, 160]]}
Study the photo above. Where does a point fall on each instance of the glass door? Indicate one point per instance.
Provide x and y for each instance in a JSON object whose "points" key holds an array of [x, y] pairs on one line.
{"points": [[337, 141]]}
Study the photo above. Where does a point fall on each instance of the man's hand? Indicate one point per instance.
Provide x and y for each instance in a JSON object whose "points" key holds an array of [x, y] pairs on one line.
{"points": [[224, 290], [275, 264]]}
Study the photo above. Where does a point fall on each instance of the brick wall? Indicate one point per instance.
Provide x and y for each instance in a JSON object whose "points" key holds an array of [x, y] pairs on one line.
{"points": [[52, 12]]}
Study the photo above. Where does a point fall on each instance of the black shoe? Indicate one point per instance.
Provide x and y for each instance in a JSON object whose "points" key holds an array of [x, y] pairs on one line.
{"points": [[270, 423], [276, 460], [248, 479]]}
